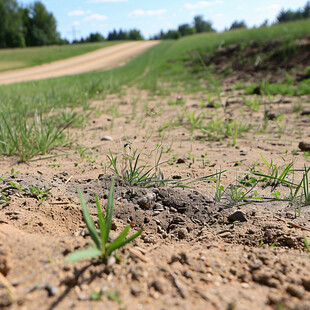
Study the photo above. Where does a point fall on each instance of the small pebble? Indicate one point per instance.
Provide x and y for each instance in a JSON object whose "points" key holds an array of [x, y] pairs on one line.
{"points": [[237, 216], [106, 138]]}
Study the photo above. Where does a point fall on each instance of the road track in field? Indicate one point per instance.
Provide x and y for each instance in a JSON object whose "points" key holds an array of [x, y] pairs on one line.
{"points": [[102, 59]]}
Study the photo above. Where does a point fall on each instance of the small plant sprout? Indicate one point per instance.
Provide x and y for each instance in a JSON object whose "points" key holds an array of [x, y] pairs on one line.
{"points": [[102, 248], [277, 174]]}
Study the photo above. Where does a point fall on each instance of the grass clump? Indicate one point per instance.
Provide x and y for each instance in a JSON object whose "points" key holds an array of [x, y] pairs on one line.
{"points": [[102, 248], [129, 167], [26, 137]]}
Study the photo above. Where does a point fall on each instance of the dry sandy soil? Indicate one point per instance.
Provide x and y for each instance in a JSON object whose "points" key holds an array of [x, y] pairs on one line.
{"points": [[105, 58], [194, 252]]}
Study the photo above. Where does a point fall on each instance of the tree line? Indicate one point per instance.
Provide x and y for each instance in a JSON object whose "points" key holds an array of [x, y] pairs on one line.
{"points": [[30, 25], [33, 25], [199, 25], [289, 15], [133, 34]]}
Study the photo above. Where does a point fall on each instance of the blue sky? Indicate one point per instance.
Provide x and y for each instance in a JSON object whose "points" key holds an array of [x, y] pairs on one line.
{"points": [[81, 17]]}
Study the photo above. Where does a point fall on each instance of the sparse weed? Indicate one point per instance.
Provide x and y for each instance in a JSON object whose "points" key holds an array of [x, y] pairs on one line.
{"points": [[8, 188], [276, 174], [195, 121], [133, 172], [304, 184], [297, 108], [254, 103], [102, 248], [237, 194], [217, 130]]}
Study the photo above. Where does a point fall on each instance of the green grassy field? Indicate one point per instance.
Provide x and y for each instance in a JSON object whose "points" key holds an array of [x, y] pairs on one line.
{"points": [[168, 62], [32, 56]]}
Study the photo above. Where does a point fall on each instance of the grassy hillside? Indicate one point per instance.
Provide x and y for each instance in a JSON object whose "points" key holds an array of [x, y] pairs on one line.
{"points": [[170, 62], [32, 56]]}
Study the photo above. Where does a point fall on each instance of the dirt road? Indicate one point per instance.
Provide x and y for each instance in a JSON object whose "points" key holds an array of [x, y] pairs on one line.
{"points": [[104, 58]]}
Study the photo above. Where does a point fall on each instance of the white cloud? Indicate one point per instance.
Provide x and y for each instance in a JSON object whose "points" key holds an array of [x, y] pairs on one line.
{"points": [[272, 7], [95, 17], [147, 13], [102, 1], [201, 4], [76, 13], [76, 23]]}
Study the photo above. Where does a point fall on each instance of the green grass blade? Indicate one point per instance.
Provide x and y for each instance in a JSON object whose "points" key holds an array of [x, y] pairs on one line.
{"points": [[83, 254], [265, 161], [120, 243], [274, 178], [306, 243], [102, 225], [88, 220], [117, 243], [109, 212]]}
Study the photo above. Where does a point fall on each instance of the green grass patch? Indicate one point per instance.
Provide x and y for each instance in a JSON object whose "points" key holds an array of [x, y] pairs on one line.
{"points": [[283, 88]]}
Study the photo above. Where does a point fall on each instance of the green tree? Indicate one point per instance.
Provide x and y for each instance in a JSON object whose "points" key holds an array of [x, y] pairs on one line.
{"points": [[201, 25], [171, 34], [11, 34], [289, 16], [135, 34], [186, 30], [41, 29], [306, 10], [95, 37], [237, 25]]}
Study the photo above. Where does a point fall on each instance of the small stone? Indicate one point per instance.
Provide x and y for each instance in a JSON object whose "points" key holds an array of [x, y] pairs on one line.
{"points": [[144, 203], [306, 283], [271, 116], [135, 292], [158, 286], [237, 216], [290, 241], [51, 289], [158, 207], [176, 177], [82, 297], [182, 233], [256, 264], [225, 234], [243, 152], [106, 138], [305, 147], [149, 239], [180, 161]]}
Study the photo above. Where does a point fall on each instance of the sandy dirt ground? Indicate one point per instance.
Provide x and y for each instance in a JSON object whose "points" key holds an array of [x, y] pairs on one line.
{"points": [[105, 58], [197, 251]]}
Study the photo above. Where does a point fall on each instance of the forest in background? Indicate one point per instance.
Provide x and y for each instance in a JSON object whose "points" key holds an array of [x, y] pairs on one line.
{"points": [[33, 25]]}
